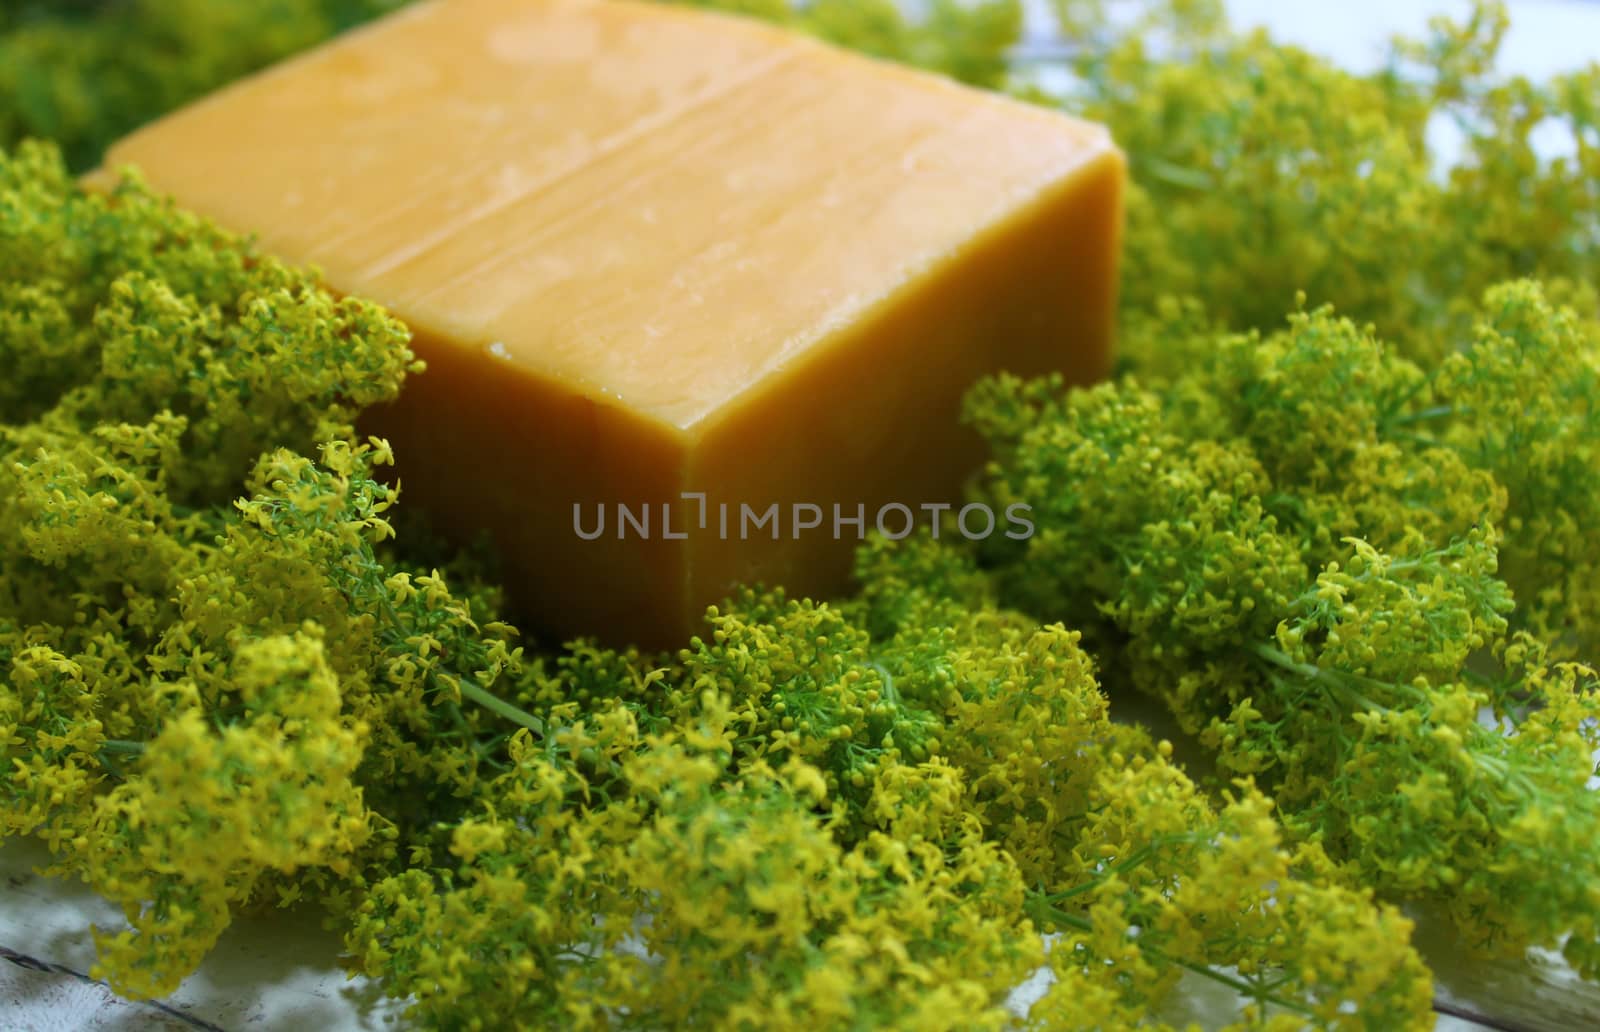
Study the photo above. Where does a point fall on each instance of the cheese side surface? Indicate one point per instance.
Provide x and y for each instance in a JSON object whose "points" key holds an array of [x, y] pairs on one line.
{"points": [[672, 272]]}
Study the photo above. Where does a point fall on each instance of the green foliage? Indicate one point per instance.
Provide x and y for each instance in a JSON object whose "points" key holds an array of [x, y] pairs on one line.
{"points": [[209, 812], [830, 828], [176, 725], [1175, 877], [966, 39], [85, 72], [207, 705], [1260, 170], [1523, 404], [1331, 547], [1296, 544]]}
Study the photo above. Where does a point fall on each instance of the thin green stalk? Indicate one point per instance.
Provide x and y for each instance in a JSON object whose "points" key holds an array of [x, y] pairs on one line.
{"points": [[495, 704], [1242, 986]]}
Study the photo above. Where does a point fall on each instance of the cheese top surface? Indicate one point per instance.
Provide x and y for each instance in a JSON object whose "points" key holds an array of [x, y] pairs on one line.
{"points": [[655, 206]]}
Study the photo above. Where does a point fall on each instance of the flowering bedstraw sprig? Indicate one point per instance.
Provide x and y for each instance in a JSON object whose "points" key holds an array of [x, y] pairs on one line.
{"points": [[1261, 170], [832, 829], [1296, 544], [207, 674], [224, 683]]}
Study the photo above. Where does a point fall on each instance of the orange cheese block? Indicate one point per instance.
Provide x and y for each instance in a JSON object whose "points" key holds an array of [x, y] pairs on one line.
{"points": [[650, 252]]}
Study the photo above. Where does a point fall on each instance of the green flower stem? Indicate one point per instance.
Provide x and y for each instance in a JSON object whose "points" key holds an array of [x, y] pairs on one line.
{"points": [[1040, 907], [499, 706]]}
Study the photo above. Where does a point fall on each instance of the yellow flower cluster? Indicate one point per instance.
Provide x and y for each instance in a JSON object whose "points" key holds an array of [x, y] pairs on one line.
{"points": [[1166, 877], [210, 810], [726, 872], [1297, 544], [1261, 170], [224, 683]]}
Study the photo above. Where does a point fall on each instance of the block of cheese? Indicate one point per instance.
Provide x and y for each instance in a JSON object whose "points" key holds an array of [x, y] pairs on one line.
{"points": [[650, 252]]}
